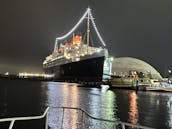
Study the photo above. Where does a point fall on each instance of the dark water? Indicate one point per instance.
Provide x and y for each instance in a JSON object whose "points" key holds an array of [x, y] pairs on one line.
{"points": [[27, 98]]}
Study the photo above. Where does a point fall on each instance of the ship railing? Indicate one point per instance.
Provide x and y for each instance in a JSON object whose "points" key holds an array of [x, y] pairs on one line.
{"points": [[14, 119], [118, 124]]}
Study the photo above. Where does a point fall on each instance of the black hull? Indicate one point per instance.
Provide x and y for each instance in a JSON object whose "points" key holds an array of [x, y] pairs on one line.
{"points": [[89, 70]]}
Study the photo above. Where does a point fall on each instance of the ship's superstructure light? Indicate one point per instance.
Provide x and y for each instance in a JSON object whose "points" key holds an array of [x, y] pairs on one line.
{"points": [[77, 59], [23, 75], [92, 20], [98, 50]]}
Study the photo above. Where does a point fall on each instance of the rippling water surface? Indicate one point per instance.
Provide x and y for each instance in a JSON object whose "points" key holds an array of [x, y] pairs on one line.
{"points": [[26, 98]]}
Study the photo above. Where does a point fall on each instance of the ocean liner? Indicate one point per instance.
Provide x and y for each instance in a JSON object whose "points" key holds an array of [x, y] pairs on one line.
{"points": [[77, 60]]}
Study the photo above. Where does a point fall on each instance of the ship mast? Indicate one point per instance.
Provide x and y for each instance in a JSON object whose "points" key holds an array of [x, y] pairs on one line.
{"points": [[90, 17], [88, 29]]}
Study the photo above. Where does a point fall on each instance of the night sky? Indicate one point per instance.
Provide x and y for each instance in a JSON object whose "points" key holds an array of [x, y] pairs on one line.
{"points": [[132, 28]]}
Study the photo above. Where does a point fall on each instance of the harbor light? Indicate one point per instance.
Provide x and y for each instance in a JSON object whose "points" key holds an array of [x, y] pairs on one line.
{"points": [[27, 75]]}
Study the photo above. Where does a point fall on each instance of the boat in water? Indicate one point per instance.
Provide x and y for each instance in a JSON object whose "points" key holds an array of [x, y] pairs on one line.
{"points": [[78, 60]]}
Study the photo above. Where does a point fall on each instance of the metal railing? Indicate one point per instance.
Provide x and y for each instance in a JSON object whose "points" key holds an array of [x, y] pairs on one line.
{"points": [[12, 120], [123, 125]]}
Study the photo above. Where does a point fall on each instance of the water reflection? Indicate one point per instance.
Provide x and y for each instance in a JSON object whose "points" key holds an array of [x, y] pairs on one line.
{"points": [[109, 108], [154, 110], [3, 101], [170, 111], [133, 112], [98, 104], [25, 98], [102, 105], [70, 116], [70, 92], [109, 103], [94, 102], [61, 94]]}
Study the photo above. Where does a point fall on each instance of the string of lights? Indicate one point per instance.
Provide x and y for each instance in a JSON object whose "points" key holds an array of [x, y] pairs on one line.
{"points": [[72, 30], [88, 12], [94, 25]]}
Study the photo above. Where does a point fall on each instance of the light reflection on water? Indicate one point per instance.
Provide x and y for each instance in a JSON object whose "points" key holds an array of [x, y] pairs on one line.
{"points": [[169, 105], [133, 112], [95, 102], [144, 108], [27, 98]]}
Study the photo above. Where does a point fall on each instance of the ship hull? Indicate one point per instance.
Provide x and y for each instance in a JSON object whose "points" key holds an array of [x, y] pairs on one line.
{"points": [[89, 70]]}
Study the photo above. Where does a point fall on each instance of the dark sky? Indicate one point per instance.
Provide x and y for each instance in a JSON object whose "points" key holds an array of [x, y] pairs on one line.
{"points": [[132, 28]]}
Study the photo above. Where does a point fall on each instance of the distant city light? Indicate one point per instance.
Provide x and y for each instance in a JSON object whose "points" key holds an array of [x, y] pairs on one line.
{"points": [[7, 73], [169, 71], [23, 75]]}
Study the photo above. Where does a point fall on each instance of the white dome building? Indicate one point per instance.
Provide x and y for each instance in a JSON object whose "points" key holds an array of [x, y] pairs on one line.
{"points": [[122, 66]]}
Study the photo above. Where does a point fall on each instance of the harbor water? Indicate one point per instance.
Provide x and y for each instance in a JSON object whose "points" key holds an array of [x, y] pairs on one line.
{"points": [[26, 98]]}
